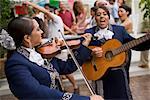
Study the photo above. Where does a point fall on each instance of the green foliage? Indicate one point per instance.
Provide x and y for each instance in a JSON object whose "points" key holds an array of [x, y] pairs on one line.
{"points": [[5, 10], [3, 52], [145, 7]]}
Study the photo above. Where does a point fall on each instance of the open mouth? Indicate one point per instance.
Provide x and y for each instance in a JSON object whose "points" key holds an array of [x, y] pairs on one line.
{"points": [[102, 21]]}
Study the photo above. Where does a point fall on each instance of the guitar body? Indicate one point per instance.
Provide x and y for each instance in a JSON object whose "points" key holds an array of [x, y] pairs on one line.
{"points": [[96, 67]]}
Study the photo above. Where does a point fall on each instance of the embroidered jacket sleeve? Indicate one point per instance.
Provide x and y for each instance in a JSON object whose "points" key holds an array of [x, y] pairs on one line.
{"points": [[24, 84], [66, 67]]}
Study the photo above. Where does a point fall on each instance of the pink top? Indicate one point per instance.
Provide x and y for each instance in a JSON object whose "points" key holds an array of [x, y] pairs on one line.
{"points": [[81, 21], [67, 18]]}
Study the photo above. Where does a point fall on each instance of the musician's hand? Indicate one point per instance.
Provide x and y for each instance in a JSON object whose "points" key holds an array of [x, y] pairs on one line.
{"points": [[59, 42], [74, 27], [54, 44], [87, 40], [97, 51], [96, 97]]}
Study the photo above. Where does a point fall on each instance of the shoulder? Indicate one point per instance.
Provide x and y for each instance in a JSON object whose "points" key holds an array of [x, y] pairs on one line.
{"points": [[90, 30], [118, 27], [17, 59], [119, 30], [127, 22], [56, 17]]}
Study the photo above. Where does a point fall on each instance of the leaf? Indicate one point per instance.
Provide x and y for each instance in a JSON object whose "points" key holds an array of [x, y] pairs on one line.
{"points": [[5, 12], [145, 7]]}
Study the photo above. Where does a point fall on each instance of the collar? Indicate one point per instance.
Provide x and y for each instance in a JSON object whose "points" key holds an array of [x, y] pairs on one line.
{"points": [[105, 33], [31, 54]]}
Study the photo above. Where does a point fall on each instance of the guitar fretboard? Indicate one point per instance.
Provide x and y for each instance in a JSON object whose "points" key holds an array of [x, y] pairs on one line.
{"points": [[131, 44]]}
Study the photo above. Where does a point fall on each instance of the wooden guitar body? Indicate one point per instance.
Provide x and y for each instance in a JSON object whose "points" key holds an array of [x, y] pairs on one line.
{"points": [[96, 67]]}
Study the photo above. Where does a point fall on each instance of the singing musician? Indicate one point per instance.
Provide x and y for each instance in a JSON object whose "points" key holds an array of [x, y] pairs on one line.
{"points": [[28, 74], [114, 84]]}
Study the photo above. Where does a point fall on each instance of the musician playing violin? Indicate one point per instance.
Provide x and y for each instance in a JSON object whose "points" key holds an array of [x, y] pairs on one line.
{"points": [[114, 84], [32, 77]]}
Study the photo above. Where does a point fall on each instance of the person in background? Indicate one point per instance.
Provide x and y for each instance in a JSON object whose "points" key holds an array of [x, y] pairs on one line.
{"points": [[96, 3], [67, 17], [91, 19], [68, 21], [124, 13], [52, 9], [29, 75], [38, 14], [114, 10], [144, 59], [54, 22], [114, 84], [80, 15], [121, 2]]}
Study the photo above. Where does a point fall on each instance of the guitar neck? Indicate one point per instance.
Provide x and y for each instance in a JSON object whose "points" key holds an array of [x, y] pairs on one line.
{"points": [[131, 44]]}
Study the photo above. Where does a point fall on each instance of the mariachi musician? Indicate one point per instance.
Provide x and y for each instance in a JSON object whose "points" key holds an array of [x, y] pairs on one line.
{"points": [[114, 84], [28, 74]]}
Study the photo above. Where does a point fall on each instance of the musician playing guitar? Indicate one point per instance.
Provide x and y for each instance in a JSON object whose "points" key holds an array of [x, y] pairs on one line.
{"points": [[110, 68]]}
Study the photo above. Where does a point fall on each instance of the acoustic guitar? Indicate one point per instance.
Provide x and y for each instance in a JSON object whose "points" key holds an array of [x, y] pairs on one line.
{"points": [[113, 56]]}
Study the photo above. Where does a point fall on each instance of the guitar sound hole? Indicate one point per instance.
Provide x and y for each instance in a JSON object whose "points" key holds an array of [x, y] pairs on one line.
{"points": [[109, 55]]}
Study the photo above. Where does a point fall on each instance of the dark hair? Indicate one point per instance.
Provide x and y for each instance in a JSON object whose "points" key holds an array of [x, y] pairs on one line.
{"points": [[95, 3], [94, 8], [77, 4], [40, 22], [104, 8], [123, 2], [42, 26], [74, 8], [51, 8], [47, 4], [111, 1], [18, 28], [126, 8]]}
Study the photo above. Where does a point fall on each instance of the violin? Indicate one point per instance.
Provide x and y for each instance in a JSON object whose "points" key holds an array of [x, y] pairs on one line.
{"points": [[51, 48]]}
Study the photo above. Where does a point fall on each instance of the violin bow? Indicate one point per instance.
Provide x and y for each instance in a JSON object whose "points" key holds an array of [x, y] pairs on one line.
{"points": [[78, 66]]}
